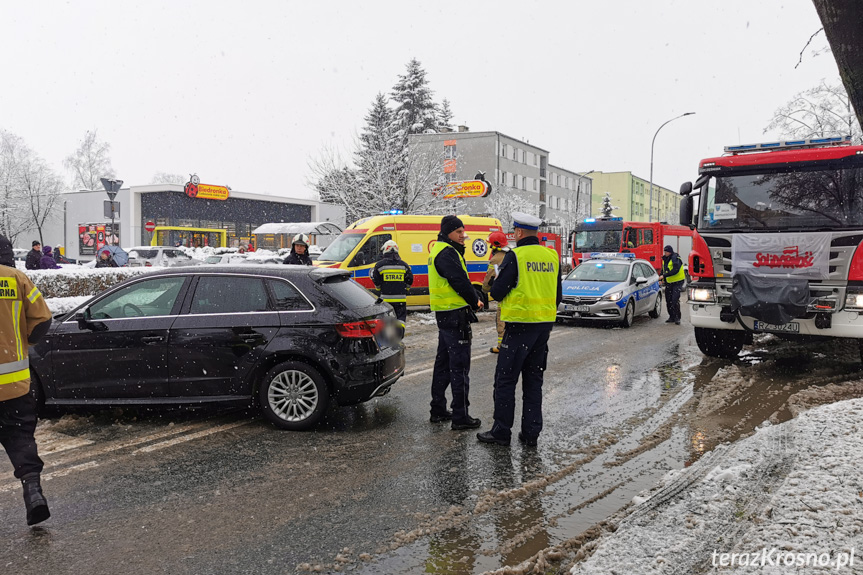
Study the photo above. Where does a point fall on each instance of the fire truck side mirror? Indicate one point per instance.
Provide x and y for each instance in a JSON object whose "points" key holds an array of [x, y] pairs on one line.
{"points": [[685, 188], [686, 208]]}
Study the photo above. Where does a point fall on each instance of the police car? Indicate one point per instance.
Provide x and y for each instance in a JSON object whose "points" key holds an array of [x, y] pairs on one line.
{"points": [[611, 287]]}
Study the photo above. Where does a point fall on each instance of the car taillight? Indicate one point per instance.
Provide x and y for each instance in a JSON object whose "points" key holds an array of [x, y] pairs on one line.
{"points": [[148, 265], [357, 329]]}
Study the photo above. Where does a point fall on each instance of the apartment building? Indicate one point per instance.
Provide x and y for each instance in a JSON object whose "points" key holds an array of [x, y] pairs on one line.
{"points": [[631, 195], [513, 167]]}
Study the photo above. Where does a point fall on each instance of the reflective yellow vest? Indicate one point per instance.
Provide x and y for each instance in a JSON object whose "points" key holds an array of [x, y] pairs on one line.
{"points": [[678, 277], [442, 296], [534, 298]]}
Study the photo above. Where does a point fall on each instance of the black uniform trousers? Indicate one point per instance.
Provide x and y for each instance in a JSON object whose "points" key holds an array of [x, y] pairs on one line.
{"points": [[17, 425], [452, 369], [672, 299], [523, 351], [401, 309]]}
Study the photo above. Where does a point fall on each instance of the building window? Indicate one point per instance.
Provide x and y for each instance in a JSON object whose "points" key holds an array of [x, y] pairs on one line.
{"points": [[502, 178], [449, 152], [450, 177], [503, 150], [514, 153], [536, 185]]}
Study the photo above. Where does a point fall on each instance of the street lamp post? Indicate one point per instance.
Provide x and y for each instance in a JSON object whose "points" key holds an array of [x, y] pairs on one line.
{"points": [[578, 189], [650, 213]]}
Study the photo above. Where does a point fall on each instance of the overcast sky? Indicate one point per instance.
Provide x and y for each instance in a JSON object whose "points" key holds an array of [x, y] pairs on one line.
{"points": [[244, 93]]}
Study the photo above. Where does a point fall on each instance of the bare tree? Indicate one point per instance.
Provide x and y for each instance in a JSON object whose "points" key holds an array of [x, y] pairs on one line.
{"points": [[40, 188], [168, 178], [843, 25], [822, 111], [13, 151], [89, 162], [503, 200]]}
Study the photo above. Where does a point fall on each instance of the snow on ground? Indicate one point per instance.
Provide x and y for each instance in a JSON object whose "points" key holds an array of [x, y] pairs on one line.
{"points": [[788, 499]]}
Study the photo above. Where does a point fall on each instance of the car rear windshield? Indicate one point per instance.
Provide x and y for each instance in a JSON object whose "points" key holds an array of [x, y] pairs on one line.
{"points": [[349, 292], [143, 253]]}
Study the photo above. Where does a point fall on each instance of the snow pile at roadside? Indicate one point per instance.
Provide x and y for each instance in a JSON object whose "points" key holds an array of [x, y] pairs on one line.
{"points": [[788, 499]]}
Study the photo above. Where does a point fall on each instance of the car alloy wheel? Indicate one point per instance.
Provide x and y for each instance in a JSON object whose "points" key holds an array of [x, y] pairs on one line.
{"points": [[629, 314], [657, 306], [293, 396]]}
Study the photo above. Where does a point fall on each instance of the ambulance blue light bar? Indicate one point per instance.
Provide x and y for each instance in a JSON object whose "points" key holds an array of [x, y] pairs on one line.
{"points": [[790, 144], [611, 256], [590, 220]]}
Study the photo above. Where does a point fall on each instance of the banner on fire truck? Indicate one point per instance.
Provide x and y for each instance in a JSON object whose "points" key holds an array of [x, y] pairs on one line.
{"points": [[799, 255]]}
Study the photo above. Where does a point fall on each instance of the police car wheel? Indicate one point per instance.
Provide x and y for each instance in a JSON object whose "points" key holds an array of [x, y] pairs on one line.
{"points": [[657, 307], [629, 314], [293, 396]]}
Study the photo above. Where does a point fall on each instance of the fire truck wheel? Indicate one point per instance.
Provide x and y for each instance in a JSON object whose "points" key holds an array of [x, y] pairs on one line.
{"points": [[719, 342], [657, 307], [629, 314]]}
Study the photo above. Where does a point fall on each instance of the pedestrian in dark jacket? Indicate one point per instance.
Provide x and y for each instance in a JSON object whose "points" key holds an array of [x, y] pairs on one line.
{"points": [[454, 300], [106, 260], [393, 277], [299, 255], [33, 256], [675, 278], [47, 261], [24, 319]]}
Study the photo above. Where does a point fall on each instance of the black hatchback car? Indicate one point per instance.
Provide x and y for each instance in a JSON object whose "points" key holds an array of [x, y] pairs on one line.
{"points": [[289, 338]]}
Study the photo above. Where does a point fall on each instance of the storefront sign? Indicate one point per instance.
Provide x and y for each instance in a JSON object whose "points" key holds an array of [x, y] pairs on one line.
{"points": [[468, 189], [195, 189], [799, 255]]}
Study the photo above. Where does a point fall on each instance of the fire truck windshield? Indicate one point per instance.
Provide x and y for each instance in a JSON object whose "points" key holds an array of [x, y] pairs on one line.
{"points": [[798, 199], [597, 241]]}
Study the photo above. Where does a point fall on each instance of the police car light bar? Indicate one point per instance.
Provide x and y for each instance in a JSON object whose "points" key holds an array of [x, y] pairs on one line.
{"points": [[611, 256], [790, 144]]}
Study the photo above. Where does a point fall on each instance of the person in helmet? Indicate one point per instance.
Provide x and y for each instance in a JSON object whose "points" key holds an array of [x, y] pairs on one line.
{"points": [[299, 255], [393, 277], [499, 245]]}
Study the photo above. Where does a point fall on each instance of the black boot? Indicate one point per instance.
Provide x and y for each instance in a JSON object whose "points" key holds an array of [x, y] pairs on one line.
{"points": [[34, 501]]}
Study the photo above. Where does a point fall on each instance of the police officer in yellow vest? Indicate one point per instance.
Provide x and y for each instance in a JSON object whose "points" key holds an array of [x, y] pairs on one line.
{"points": [[453, 299], [674, 276], [24, 319], [529, 290]]}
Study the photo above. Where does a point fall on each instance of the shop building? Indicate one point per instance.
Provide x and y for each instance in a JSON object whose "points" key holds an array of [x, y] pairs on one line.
{"points": [[179, 217]]}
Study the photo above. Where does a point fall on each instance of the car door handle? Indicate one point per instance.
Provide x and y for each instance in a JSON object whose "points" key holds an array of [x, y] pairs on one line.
{"points": [[152, 339], [250, 337]]}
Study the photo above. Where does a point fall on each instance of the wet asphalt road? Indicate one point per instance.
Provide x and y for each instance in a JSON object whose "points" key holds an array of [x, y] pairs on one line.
{"points": [[376, 488]]}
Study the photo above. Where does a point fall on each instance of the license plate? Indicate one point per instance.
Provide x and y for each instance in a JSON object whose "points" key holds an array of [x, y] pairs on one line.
{"points": [[578, 308], [792, 327]]}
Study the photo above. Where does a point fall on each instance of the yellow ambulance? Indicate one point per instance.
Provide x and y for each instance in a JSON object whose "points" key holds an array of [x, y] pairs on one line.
{"points": [[359, 248]]}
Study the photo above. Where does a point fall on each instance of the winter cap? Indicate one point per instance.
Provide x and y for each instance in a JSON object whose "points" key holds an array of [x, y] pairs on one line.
{"points": [[7, 254], [669, 249], [525, 221], [105, 251], [390, 246], [449, 224], [47, 250], [36, 243]]}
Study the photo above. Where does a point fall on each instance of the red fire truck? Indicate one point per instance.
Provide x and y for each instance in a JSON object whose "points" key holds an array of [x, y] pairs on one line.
{"points": [[780, 244], [645, 239]]}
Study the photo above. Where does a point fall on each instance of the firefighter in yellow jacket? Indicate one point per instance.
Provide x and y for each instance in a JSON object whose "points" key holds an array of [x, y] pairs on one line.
{"points": [[24, 319], [499, 246]]}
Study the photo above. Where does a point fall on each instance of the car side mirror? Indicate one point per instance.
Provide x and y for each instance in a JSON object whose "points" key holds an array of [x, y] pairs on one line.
{"points": [[84, 322], [640, 281]]}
